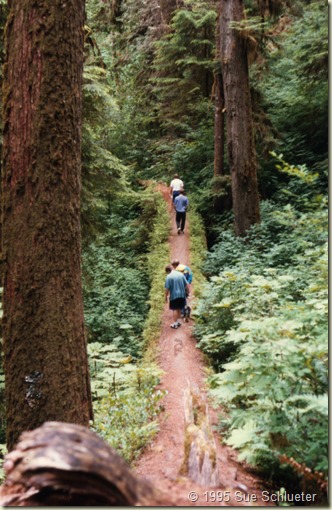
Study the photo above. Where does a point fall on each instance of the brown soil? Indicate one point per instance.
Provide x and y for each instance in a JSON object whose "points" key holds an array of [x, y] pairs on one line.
{"points": [[184, 364]]}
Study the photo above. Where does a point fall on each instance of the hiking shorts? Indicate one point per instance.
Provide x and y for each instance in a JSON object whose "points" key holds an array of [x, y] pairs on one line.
{"points": [[177, 304]]}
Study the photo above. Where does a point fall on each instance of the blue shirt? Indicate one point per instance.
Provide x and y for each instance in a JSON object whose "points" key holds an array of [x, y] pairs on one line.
{"points": [[176, 284], [188, 274], [186, 271], [181, 203]]}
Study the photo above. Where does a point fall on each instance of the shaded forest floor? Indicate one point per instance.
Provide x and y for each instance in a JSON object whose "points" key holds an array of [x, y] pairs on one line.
{"points": [[183, 365]]}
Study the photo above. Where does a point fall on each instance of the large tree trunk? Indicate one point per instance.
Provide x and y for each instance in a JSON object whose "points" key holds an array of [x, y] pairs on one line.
{"points": [[219, 138], [240, 139], [219, 128], [222, 194], [45, 357]]}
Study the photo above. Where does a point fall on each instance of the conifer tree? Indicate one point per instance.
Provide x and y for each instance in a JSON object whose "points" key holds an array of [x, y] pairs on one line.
{"points": [[240, 137], [45, 357]]}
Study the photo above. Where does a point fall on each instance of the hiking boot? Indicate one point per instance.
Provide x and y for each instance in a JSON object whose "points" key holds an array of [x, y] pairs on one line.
{"points": [[175, 325], [179, 230]]}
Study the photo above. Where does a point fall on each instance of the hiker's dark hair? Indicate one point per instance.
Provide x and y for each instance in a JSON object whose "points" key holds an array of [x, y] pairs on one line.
{"points": [[175, 262], [169, 268]]}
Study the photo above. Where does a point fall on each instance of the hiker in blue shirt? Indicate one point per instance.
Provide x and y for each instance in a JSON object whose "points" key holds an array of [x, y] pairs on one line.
{"points": [[181, 203], [176, 287], [188, 274]]}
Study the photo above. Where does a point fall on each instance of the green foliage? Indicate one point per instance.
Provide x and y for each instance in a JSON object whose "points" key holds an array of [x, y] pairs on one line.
{"points": [[126, 52], [116, 286], [296, 88], [128, 422], [3, 451], [103, 174], [119, 268], [126, 403], [197, 248], [263, 322], [111, 370], [183, 65], [284, 235], [119, 281], [123, 235], [158, 257], [304, 187]]}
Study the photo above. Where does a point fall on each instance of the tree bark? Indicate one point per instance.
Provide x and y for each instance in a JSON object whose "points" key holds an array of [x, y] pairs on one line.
{"points": [[222, 193], [199, 462], [45, 356], [62, 464], [219, 128], [168, 7], [240, 139], [219, 125]]}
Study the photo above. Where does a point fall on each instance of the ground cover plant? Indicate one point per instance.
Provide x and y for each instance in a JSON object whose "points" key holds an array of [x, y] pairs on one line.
{"points": [[126, 402], [263, 322], [124, 297]]}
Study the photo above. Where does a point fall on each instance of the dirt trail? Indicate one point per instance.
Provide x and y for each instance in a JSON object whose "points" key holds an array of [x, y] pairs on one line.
{"points": [[183, 364]]}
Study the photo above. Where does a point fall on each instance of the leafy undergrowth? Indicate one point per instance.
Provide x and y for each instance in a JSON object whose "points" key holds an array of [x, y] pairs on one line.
{"points": [[158, 257], [126, 403], [198, 248], [263, 322], [123, 374], [116, 281]]}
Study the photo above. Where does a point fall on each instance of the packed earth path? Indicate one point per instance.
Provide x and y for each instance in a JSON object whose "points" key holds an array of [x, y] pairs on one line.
{"points": [[184, 367]]}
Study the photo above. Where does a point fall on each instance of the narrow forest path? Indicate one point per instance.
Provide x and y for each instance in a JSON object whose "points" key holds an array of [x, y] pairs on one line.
{"points": [[183, 365]]}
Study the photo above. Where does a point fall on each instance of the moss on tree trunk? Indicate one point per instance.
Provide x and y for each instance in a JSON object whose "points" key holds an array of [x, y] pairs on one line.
{"points": [[240, 139], [45, 358]]}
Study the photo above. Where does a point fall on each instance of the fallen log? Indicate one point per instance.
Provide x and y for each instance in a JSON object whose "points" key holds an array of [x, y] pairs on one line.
{"points": [[200, 460], [61, 464]]}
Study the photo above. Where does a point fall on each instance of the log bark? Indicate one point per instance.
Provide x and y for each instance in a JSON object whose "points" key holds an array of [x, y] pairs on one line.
{"points": [[62, 464], [200, 461]]}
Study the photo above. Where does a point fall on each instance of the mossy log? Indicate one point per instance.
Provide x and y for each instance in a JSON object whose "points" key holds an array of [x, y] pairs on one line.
{"points": [[60, 464], [200, 462]]}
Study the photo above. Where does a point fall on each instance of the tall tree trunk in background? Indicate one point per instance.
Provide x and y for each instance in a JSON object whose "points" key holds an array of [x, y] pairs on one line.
{"points": [[45, 355], [240, 139], [168, 7], [219, 127], [222, 198]]}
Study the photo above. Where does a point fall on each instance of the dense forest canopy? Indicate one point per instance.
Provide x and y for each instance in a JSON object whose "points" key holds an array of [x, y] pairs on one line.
{"points": [[151, 73]]}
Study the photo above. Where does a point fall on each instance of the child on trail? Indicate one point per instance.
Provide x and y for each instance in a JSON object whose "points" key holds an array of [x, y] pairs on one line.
{"points": [[181, 203], [183, 269], [175, 186], [176, 287], [188, 274]]}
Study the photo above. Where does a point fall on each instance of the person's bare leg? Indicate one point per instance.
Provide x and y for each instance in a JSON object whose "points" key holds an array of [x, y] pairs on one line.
{"points": [[176, 315]]}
